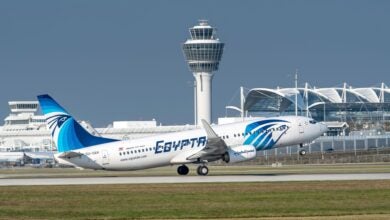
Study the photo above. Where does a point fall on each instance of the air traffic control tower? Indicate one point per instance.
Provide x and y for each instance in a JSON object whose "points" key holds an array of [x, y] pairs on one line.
{"points": [[203, 53]]}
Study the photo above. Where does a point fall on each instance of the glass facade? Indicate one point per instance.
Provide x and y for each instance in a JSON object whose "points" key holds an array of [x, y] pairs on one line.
{"points": [[201, 33], [387, 97], [203, 51], [203, 57], [24, 106], [355, 108]]}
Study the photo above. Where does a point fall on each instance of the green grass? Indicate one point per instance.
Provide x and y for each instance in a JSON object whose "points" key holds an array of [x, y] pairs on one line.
{"points": [[369, 199]]}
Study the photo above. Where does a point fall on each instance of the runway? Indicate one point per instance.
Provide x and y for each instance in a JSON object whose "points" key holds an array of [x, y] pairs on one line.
{"points": [[191, 179]]}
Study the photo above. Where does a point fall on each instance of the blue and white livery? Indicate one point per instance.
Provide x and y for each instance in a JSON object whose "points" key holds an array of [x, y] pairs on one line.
{"points": [[231, 143], [67, 132]]}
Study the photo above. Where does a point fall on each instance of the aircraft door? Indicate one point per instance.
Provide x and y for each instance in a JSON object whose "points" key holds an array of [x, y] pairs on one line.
{"points": [[105, 158], [300, 127]]}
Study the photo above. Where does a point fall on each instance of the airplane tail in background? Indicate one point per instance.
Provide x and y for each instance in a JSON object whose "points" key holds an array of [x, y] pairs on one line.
{"points": [[66, 132]]}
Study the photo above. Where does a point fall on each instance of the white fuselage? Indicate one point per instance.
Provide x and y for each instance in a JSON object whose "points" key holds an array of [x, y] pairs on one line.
{"points": [[174, 148]]}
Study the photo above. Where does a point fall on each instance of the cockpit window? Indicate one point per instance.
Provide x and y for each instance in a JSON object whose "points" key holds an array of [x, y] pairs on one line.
{"points": [[313, 122]]}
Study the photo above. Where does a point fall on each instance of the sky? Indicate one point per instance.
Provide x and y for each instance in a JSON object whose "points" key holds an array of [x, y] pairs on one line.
{"points": [[122, 60]]}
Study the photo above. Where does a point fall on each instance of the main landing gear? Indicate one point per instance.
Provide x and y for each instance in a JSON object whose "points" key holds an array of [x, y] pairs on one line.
{"points": [[183, 170], [202, 170]]}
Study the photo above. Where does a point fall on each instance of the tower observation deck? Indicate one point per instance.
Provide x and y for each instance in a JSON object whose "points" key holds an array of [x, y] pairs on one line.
{"points": [[203, 53]]}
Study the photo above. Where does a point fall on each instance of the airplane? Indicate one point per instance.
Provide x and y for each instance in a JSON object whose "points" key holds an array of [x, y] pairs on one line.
{"points": [[22, 157], [12, 157], [231, 143]]}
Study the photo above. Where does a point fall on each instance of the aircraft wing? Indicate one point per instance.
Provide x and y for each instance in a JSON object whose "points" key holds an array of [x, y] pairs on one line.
{"points": [[215, 147], [69, 154]]}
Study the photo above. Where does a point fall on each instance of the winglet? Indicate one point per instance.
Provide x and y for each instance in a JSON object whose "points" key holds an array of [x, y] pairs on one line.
{"points": [[210, 132]]}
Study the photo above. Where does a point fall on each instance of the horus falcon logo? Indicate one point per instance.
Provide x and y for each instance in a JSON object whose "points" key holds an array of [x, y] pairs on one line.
{"points": [[265, 134], [56, 121]]}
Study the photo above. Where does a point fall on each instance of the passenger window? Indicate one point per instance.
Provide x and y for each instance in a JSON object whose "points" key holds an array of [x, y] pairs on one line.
{"points": [[120, 154], [131, 152]]}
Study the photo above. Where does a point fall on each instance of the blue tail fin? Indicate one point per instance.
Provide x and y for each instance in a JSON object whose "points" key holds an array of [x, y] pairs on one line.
{"points": [[66, 132]]}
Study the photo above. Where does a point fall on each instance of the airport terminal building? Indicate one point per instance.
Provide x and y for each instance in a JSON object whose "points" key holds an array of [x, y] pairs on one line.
{"points": [[361, 108], [358, 119]]}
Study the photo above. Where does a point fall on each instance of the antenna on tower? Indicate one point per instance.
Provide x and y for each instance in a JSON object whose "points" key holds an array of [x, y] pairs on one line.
{"points": [[296, 92]]}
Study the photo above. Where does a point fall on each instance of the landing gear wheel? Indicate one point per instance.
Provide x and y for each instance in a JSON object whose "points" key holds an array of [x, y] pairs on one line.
{"points": [[202, 170], [302, 152], [182, 170]]}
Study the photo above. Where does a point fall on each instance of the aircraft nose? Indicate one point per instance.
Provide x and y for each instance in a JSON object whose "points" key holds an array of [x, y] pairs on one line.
{"points": [[323, 128]]}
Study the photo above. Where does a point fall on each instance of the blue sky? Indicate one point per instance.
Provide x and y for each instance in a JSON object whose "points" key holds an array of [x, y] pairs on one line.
{"points": [[122, 60]]}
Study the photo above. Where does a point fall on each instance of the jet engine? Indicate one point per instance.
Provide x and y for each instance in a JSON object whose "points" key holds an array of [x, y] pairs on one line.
{"points": [[239, 154]]}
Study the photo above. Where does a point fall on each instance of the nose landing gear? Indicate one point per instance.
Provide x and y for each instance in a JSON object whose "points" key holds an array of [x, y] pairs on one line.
{"points": [[302, 152]]}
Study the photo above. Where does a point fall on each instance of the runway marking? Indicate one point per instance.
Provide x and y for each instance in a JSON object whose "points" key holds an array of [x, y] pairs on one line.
{"points": [[193, 179]]}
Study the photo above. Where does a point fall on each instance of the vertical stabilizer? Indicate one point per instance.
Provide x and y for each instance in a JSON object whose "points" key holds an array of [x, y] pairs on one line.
{"points": [[66, 132]]}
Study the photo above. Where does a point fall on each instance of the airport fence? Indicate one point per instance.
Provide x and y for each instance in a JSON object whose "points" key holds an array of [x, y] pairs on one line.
{"points": [[331, 149], [335, 144], [361, 156]]}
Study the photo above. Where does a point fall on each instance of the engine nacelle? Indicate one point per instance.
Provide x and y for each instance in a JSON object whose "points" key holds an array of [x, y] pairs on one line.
{"points": [[239, 154]]}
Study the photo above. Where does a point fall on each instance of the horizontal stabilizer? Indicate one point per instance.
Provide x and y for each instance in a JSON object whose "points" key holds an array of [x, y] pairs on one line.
{"points": [[70, 154]]}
